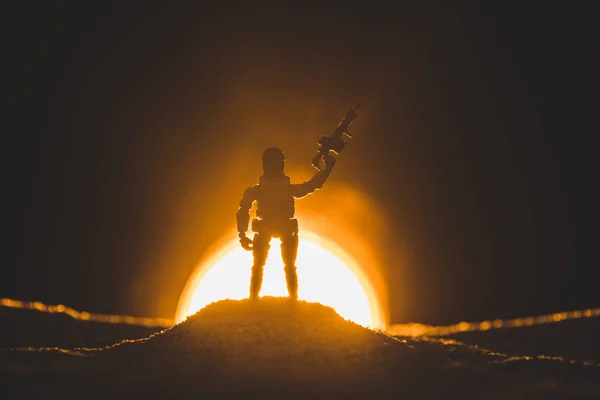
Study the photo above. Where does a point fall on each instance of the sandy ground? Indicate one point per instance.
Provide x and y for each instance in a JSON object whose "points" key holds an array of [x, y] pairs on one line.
{"points": [[274, 348]]}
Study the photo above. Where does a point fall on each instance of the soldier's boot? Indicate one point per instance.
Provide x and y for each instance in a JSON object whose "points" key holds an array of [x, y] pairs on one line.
{"points": [[256, 282], [289, 251], [291, 279], [259, 252]]}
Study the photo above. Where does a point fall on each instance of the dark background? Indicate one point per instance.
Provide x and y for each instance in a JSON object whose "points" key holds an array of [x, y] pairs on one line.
{"points": [[121, 124]]}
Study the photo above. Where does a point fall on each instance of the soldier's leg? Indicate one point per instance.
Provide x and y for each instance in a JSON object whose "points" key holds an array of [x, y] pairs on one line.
{"points": [[260, 252], [289, 252]]}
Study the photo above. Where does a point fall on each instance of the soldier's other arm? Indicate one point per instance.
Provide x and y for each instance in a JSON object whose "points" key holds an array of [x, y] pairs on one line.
{"points": [[243, 214], [316, 182]]}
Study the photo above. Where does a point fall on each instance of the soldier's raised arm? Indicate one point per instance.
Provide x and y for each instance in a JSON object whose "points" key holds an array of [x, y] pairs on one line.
{"points": [[300, 190]]}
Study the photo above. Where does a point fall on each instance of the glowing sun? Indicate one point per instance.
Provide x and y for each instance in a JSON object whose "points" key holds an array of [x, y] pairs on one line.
{"points": [[325, 274]]}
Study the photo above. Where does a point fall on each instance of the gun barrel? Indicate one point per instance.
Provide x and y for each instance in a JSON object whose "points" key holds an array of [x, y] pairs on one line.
{"points": [[343, 126]]}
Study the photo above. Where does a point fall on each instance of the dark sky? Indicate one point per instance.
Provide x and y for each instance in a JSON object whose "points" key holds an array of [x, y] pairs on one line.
{"points": [[130, 131]]}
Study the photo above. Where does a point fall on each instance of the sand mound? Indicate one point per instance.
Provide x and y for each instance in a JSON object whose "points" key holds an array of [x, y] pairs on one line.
{"points": [[276, 349], [271, 337], [272, 347]]}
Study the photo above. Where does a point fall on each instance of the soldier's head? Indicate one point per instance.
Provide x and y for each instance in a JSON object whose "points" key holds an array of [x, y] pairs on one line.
{"points": [[273, 162]]}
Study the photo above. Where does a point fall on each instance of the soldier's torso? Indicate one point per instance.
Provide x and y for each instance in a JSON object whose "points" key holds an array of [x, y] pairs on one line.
{"points": [[275, 199]]}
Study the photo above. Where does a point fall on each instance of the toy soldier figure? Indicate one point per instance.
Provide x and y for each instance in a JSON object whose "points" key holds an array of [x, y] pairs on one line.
{"points": [[275, 196]]}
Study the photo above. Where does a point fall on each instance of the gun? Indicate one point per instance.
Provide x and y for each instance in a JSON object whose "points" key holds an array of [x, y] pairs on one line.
{"points": [[335, 141]]}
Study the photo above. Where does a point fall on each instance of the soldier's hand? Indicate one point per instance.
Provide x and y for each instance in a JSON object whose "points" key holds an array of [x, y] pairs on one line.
{"points": [[246, 242], [329, 161]]}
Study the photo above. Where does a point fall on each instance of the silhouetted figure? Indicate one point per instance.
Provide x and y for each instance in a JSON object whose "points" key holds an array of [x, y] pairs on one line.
{"points": [[275, 216]]}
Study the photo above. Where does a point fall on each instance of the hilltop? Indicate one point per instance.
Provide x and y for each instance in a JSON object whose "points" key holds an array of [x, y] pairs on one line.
{"points": [[274, 348]]}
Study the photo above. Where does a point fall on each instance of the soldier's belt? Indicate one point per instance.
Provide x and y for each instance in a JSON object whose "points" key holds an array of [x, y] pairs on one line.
{"points": [[275, 227]]}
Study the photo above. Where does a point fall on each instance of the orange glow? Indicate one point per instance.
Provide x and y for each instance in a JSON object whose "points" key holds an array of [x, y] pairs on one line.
{"points": [[86, 316], [415, 329], [326, 275]]}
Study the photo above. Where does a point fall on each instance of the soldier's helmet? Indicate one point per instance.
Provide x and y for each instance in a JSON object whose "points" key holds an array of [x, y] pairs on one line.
{"points": [[273, 161]]}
